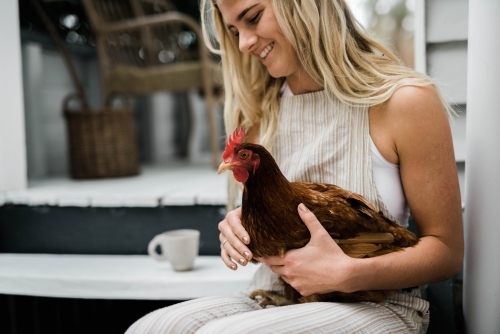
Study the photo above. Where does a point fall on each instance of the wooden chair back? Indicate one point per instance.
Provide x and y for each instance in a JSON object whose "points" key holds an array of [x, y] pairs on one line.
{"points": [[146, 46]]}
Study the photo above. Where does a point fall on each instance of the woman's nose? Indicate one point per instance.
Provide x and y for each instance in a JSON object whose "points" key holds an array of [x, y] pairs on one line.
{"points": [[247, 40]]}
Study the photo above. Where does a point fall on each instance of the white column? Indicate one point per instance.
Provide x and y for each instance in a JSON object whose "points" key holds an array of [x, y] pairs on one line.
{"points": [[419, 41], [12, 134], [162, 127], [481, 296], [34, 113]]}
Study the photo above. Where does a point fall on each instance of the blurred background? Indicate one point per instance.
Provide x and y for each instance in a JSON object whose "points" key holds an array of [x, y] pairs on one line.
{"points": [[170, 126], [175, 184], [391, 22]]}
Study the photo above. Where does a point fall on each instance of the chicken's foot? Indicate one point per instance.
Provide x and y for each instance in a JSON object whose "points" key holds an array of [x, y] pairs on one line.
{"points": [[265, 298]]}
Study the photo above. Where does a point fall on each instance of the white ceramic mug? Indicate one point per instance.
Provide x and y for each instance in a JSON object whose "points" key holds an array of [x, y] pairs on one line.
{"points": [[180, 247]]}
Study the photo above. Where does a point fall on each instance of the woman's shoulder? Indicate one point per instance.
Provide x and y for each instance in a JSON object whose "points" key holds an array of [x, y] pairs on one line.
{"points": [[414, 107], [413, 114], [415, 101]]}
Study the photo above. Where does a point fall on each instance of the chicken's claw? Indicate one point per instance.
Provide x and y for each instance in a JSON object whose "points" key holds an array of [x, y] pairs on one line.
{"points": [[265, 298]]}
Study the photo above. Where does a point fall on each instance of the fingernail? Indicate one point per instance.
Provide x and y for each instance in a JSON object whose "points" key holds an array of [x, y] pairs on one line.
{"points": [[303, 208], [247, 254], [245, 240], [233, 267], [242, 261]]}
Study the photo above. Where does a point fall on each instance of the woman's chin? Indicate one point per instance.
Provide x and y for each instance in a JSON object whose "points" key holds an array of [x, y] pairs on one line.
{"points": [[275, 74]]}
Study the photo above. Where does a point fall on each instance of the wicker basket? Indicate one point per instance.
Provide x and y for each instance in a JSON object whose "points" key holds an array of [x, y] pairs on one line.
{"points": [[102, 143]]}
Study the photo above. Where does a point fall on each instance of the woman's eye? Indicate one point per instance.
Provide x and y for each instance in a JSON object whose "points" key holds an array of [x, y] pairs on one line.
{"points": [[255, 18]]}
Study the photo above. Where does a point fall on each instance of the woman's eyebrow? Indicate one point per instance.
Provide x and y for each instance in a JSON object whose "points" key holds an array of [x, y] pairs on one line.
{"points": [[241, 15]]}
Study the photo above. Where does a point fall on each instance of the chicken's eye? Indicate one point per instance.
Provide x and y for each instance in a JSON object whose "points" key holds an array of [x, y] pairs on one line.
{"points": [[244, 155]]}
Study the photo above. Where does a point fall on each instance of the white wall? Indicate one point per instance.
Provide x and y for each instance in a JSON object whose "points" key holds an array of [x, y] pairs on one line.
{"points": [[12, 134], [481, 296], [46, 83], [458, 43]]}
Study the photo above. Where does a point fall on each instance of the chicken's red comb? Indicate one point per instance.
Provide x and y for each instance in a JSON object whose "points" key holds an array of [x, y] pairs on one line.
{"points": [[234, 140]]}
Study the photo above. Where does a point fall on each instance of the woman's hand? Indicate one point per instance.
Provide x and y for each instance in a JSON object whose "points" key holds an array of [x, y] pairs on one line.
{"points": [[319, 267], [233, 240]]}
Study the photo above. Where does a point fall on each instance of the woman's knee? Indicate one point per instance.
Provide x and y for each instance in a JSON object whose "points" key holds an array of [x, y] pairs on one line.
{"points": [[189, 316]]}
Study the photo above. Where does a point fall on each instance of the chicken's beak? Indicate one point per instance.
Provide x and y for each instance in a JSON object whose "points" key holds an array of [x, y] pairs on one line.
{"points": [[224, 166]]}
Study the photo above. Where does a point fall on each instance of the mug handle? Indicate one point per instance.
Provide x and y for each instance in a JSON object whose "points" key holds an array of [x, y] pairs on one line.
{"points": [[152, 249]]}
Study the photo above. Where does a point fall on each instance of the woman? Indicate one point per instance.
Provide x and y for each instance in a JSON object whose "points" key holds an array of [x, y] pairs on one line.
{"points": [[334, 106]]}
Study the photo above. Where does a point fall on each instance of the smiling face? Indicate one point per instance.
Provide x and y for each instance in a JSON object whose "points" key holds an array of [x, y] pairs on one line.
{"points": [[259, 35]]}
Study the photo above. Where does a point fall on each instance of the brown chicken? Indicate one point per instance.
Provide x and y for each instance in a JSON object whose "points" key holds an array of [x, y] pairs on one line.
{"points": [[269, 215]]}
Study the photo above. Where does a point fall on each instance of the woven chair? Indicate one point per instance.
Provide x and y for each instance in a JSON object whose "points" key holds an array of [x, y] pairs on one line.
{"points": [[146, 46]]}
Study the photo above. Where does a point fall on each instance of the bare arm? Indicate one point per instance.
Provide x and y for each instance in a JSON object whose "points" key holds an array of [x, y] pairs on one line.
{"points": [[423, 144]]}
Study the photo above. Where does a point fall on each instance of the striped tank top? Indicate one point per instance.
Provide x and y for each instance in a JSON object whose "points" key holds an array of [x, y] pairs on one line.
{"points": [[320, 139]]}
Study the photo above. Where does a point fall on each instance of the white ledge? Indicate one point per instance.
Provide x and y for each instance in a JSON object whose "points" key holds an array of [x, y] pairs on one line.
{"points": [[117, 277], [156, 186]]}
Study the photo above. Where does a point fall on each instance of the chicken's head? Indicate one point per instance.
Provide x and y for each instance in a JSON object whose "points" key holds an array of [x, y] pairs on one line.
{"points": [[238, 158]]}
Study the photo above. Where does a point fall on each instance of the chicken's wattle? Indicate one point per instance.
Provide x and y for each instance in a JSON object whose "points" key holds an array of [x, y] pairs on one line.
{"points": [[240, 174]]}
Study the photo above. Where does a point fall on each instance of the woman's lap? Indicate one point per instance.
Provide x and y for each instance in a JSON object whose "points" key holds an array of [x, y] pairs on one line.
{"points": [[240, 314], [310, 318], [188, 316]]}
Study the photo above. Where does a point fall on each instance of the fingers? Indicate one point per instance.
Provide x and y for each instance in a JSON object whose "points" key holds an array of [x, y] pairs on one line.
{"points": [[231, 236], [227, 259], [230, 252], [234, 227], [320, 237], [312, 223]]}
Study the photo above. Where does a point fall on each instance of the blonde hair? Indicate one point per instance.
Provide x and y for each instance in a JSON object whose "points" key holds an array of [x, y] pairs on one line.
{"points": [[331, 46]]}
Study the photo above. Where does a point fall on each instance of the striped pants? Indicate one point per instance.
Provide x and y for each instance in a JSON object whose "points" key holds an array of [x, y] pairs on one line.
{"points": [[403, 313]]}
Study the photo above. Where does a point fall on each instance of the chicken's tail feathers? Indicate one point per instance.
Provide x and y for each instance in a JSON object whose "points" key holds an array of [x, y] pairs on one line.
{"points": [[361, 202], [365, 244], [361, 250], [404, 237]]}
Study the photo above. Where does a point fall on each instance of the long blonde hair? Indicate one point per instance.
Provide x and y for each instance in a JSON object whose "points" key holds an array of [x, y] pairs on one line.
{"points": [[331, 46]]}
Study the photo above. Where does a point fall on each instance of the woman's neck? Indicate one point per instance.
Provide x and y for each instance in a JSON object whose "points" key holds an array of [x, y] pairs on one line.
{"points": [[300, 82]]}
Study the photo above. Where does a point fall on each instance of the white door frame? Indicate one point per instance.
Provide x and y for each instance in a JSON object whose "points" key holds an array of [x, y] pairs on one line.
{"points": [[13, 175]]}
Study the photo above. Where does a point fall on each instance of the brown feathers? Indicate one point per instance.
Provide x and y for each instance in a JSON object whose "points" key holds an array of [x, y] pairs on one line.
{"points": [[269, 214]]}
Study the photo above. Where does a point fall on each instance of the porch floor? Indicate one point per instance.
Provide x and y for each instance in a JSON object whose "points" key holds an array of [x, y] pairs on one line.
{"points": [[178, 183]]}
